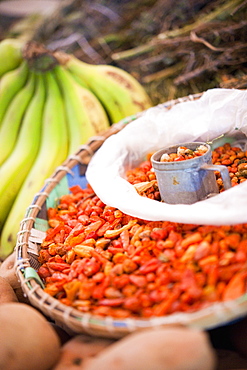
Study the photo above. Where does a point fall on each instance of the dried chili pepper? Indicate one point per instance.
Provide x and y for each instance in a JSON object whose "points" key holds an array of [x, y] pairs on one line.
{"points": [[99, 260]]}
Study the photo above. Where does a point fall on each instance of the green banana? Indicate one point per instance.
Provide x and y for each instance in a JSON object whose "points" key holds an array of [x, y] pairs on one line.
{"points": [[112, 106], [119, 92], [12, 120], [10, 54], [53, 151], [10, 83], [17, 166], [85, 115]]}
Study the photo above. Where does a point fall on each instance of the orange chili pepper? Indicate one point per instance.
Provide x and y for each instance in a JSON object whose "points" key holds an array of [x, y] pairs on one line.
{"points": [[236, 286]]}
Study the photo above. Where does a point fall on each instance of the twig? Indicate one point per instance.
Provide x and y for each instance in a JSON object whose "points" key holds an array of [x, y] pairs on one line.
{"points": [[225, 59], [165, 73], [239, 7], [228, 7], [195, 38], [196, 72], [107, 12]]}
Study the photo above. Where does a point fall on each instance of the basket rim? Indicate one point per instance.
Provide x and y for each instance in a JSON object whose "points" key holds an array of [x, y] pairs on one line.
{"points": [[77, 322], [74, 320]]}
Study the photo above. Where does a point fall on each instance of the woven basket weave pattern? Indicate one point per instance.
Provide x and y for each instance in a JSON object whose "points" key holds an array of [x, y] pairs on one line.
{"points": [[28, 244]]}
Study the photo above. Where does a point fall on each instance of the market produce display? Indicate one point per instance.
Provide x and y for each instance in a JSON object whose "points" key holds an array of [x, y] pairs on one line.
{"points": [[80, 321], [106, 273], [97, 259], [50, 105]]}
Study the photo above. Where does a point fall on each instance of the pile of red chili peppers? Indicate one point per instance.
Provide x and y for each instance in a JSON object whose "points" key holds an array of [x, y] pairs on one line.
{"points": [[99, 260]]}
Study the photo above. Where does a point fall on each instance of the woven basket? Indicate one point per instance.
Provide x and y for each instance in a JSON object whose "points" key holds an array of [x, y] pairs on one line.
{"points": [[32, 231]]}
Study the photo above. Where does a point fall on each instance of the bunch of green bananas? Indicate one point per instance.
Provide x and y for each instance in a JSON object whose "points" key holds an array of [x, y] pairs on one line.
{"points": [[50, 105]]}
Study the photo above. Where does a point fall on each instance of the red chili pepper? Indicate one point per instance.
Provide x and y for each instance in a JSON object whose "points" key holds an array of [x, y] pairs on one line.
{"points": [[138, 280], [163, 307], [115, 250], [44, 272], [56, 266], [99, 257], [159, 233], [113, 302], [236, 287], [150, 266], [59, 277]]}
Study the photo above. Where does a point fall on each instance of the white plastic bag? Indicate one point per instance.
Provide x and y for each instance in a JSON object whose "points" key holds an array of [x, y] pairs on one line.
{"points": [[217, 112]]}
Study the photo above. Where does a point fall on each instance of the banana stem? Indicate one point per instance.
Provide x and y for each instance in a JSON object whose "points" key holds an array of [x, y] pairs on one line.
{"points": [[38, 57]]}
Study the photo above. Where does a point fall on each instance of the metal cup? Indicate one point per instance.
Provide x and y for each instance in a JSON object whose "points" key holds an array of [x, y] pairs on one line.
{"points": [[188, 181]]}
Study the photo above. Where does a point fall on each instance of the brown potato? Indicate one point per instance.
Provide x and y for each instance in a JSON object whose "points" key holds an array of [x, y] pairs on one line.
{"points": [[8, 272], [27, 340], [76, 352], [7, 294], [172, 348]]}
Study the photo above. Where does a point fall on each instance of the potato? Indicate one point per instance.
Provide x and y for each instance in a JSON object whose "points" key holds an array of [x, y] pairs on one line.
{"points": [[27, 340], [7, 271], [7, 294], [173, 348], [78, 350]]}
